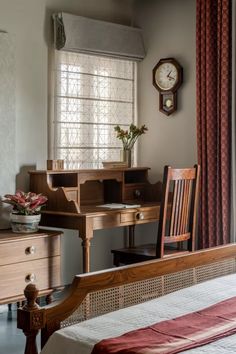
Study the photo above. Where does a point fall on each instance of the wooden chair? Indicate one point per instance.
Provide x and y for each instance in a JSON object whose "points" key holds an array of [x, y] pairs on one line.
{"points": [[177, 222]]}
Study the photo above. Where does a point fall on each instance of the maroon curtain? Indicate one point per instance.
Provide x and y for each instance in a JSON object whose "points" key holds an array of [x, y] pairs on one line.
{"points": [[214, 119]]}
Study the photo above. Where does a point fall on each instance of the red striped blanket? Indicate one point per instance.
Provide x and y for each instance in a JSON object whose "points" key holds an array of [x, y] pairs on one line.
{"points": [[176, 335]]}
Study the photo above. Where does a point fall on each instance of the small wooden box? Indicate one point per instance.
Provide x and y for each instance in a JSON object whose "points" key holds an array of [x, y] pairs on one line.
{"points": [[55, 165]]}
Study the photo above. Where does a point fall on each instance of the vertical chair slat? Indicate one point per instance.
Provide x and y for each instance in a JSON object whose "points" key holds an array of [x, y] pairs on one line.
{"points": [[185, 206], [173, 206], [190, 196], [180, 208], [177, 207]]}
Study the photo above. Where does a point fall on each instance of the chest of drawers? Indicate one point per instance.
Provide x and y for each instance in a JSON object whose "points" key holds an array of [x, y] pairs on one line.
{"points": [[26, 258]]}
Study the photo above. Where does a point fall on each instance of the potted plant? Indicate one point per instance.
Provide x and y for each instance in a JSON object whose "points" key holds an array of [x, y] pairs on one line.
{"points": [[128, 139], [26, 208]]}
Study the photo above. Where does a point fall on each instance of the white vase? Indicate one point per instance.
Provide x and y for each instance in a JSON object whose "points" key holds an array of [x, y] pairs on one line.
{"points": [[24, 223]]}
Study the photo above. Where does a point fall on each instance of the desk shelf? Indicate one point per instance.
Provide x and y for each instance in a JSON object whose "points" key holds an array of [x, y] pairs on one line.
{"points": [[69, 190]]}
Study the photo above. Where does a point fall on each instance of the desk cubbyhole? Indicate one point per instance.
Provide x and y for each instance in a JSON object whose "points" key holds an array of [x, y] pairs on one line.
{"points": [[136, 176], [64, 180], [112, 191]]}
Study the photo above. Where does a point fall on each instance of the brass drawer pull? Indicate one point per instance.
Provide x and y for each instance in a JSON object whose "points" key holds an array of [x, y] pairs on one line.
{"points": [[30, 250], [139, 216], [30, 278]]}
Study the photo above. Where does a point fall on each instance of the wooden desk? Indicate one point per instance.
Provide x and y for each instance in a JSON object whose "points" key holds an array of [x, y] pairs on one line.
{"points": [[74, 197]]}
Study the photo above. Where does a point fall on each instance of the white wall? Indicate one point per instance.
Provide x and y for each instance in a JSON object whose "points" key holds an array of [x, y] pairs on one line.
{"points": [[169, 31], [29, 23]]}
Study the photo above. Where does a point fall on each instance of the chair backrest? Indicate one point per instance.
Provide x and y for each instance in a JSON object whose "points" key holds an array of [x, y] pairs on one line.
{"points": [[178, 207]]}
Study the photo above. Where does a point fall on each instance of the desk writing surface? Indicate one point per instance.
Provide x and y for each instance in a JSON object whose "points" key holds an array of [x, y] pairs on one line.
{"points": [[102, 218]]}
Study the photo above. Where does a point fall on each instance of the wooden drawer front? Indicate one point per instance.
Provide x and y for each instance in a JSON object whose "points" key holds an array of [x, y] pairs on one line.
{"points": [[139, 216], [30, 249], [134, 192], [46, 274]]}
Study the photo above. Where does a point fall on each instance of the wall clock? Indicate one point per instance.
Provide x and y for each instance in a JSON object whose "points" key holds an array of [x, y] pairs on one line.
{"points": [[167, 77]]}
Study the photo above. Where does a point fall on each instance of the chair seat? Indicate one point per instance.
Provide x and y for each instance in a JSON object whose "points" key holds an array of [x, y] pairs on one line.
{"points": [[142, 253]]}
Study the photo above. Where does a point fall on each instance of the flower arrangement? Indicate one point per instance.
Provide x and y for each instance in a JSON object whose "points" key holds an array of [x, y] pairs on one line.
{"points": [[129, 137], [25, 203]]}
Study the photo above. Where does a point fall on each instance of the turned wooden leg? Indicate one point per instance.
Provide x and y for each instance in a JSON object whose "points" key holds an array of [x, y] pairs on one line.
{"points": [[31, 346], [86, 255], [86, 233]]}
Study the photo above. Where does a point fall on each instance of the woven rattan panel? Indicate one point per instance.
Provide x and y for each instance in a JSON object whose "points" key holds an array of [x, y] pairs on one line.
{"points": [[104, 301]]}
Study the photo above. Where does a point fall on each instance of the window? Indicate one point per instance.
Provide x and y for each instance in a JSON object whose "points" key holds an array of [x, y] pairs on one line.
{"points": [[92, 95]]}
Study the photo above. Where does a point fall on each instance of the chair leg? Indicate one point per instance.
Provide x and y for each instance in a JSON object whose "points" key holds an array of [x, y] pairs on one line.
{"points": [[116, 260], [9, 307]]}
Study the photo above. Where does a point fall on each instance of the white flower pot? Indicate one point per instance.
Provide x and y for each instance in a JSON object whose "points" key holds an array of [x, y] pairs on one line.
{"points": [[24, 223]]}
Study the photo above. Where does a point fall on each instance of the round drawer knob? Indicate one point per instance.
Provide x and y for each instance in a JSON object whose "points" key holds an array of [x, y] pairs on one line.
{"points": [[140, 216], [137, 193], [30, 278], [31, 250]]}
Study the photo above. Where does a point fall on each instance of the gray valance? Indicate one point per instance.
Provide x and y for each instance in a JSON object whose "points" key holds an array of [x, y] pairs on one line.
{"points": [[82, 34]]}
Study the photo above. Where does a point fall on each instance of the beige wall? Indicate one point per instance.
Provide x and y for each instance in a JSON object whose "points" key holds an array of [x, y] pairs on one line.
{"points": [[169, 31], [29, 23], [169, 28]]}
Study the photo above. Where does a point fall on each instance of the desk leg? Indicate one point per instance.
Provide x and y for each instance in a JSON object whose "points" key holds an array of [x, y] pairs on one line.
{"points": [[86, 255], [86, 235], [131, 233]]}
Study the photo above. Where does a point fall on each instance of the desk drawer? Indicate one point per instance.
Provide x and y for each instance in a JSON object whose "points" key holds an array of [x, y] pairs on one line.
{"points": [[134, 192], [45, 273], [139, 216], [30, 249]]}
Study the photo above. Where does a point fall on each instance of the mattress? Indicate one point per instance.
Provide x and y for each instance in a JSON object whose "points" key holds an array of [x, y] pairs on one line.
{"points": [[80, 338]]}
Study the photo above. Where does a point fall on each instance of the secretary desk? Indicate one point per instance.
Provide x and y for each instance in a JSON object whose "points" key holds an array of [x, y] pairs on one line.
{"points": [[94, 199]]}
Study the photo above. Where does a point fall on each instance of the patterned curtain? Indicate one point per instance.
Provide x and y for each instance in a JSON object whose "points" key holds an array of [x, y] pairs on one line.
{"points": [[214, 119]]}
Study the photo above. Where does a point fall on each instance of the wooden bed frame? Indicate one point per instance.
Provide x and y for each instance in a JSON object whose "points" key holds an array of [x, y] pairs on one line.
{"points": [[100, 292]]}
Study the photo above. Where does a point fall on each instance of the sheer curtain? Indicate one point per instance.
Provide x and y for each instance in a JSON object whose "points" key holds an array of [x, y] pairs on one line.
{"points": [[92, 95]]}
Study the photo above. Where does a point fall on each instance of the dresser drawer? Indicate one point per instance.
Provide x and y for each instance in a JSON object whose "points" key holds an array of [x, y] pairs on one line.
{"points": [[45, 273], [29, 249], [139, 216]]}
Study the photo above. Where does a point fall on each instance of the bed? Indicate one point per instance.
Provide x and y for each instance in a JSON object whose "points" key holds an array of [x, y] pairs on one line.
{"points": [[110, 303]]}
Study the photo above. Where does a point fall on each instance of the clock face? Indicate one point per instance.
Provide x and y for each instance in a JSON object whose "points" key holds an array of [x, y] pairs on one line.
{"points": [[166, 76]]}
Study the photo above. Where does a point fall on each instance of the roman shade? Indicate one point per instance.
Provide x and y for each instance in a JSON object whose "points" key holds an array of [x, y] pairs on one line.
{"points": [[82, 34]]}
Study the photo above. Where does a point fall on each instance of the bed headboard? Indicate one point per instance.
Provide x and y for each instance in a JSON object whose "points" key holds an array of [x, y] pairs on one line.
{"points": [[93, 294]]}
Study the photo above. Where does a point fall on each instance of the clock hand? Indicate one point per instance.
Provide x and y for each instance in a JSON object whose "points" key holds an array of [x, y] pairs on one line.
{"points": [[168, 75]]}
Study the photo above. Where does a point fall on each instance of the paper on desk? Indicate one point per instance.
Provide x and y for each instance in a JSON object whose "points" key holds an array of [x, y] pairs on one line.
{"points": [[119, 206]]}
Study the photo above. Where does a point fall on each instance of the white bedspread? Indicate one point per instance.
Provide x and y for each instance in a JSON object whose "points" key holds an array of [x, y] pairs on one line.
{"points": [[80, 338]]}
